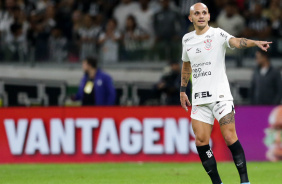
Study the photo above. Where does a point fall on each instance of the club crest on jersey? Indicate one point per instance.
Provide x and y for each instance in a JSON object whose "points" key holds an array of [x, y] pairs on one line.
{"points": [[208, 45]]}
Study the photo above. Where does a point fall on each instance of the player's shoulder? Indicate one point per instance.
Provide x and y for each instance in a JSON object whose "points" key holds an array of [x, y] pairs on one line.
{"points": [[101, 75], [188, 36], [220, 31], [216, 30], [222, 34]]}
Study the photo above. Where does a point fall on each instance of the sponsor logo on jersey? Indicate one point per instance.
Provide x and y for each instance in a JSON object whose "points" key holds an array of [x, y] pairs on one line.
{"points": [[221, 111], [204, 94], [188, 39], [221, 96], [201, 64], [223, 35], [198, 71], [198, 50], [201, 73], [194, 109], [220, 107], [209, 36], [208, 44]]}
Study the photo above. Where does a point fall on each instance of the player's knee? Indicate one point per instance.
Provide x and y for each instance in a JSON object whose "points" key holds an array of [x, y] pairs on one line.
{"points": [[230, 138], [201, 140]]}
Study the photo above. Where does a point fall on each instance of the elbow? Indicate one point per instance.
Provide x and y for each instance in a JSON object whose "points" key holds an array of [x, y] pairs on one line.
{"points": [[237, 45]]}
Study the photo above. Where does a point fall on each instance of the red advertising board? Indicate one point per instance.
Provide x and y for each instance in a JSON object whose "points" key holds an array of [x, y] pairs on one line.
{"points": [[101, 134]]}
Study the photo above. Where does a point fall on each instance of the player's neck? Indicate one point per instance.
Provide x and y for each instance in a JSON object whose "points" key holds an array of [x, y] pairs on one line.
{"points": [[200, 31]]}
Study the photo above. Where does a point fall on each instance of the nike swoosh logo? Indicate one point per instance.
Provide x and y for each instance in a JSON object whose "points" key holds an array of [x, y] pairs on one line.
{"points": [[221, 111], [239, 164], [209, 171], [189, 49]]}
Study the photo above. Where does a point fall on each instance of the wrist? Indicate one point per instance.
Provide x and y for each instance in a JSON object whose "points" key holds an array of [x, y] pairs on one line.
{"points": [[255, 43], [183, 89]]}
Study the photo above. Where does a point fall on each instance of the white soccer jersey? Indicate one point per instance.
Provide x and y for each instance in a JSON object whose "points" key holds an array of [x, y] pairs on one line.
{"points": [[206, 54]]}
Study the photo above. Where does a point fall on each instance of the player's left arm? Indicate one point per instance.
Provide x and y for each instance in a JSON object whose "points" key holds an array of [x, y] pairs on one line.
{"points": [[242, 43]]}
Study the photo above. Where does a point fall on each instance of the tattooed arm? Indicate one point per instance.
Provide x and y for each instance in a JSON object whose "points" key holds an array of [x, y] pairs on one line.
{"points": [[185, 76], [185, 73], [242, 43]]}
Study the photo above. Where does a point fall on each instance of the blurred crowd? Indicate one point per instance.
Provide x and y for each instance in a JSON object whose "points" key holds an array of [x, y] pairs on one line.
{"points": [[123, 30]]}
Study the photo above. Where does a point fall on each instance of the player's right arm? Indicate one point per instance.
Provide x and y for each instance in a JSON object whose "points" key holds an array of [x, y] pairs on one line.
{"points": [[185, 76]]}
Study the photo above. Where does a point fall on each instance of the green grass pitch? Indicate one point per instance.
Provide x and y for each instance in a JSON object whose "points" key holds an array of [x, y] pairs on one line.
{"points": [[134, 173]]}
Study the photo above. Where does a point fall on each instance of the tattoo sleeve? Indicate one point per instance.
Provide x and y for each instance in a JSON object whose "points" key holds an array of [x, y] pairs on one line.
{"points": [[227, 119], [185, 73], [243, 43]]}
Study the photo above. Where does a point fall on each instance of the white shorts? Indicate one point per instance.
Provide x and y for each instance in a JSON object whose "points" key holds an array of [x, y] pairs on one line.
{"points": [[207, 112]]}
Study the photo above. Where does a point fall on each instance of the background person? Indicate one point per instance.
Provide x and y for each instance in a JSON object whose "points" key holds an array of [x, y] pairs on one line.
{"points": [[266, 85], [123, 10], [109, 42], [58, 45], [167, 29], [15, 44], [132, 40], [258, 26], [88, 35], [169, 84], [230, 20], [96, 87]]}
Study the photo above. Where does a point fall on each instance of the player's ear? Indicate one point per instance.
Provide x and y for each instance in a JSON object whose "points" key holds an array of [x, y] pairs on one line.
{"points": [[209, 16], [190, 18]]}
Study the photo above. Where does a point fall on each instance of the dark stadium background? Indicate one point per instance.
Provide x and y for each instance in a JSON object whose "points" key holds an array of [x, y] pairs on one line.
{"points": [[35, 62]]}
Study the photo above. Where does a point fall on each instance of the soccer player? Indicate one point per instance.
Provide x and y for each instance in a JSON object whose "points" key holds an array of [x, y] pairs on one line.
{"points": [[203, 57]]}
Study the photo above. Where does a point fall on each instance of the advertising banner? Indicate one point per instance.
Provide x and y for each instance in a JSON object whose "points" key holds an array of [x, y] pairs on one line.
{"points": [[120, 134], [260, 132]]}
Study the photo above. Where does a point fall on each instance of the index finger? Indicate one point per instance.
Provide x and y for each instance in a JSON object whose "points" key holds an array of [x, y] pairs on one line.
{"points": [[188, 102], [265, 42], [184, 106]]}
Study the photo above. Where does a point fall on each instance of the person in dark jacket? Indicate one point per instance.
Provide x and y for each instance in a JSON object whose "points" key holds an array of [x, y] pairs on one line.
{"points": [[169, 84], [167, 24], [266, 86], [96, 87]]}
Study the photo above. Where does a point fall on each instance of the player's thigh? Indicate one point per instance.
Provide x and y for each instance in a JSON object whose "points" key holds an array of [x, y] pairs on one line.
{"points": [[224, 113], [202, 113], [202, 132], [202, 123], [227, 128]]}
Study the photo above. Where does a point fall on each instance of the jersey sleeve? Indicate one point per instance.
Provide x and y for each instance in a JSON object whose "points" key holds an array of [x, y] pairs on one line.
{"points": [[224, 37], [185, 57]]}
